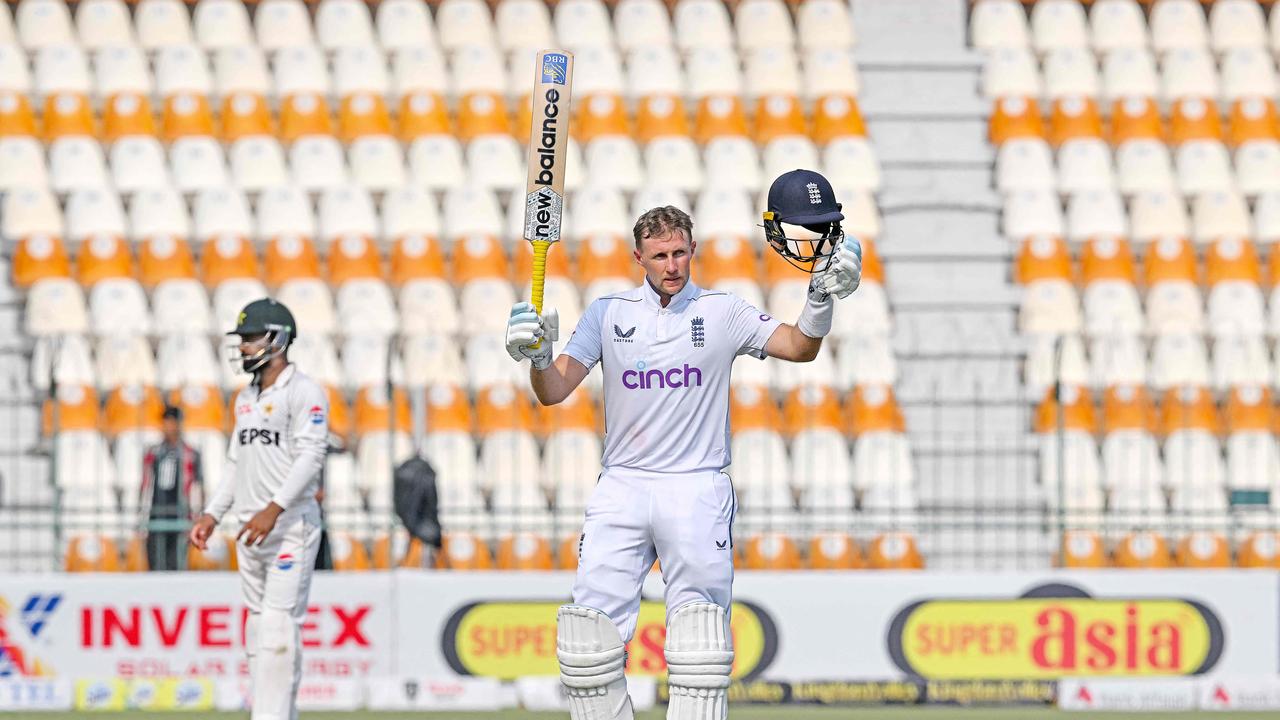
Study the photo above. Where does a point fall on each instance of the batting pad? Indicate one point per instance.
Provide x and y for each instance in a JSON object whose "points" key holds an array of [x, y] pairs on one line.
{"points": [[592, 657], [699, 658], [278, 666]]}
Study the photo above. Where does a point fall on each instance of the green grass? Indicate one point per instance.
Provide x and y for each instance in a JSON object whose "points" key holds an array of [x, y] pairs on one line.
{"points": [[736, 713]]}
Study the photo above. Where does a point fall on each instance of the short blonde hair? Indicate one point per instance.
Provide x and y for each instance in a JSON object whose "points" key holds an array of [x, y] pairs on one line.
{"points": [[662, 220]]}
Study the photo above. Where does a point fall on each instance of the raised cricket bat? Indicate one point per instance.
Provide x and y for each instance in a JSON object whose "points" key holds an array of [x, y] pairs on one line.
{"points": [[548, 150]]}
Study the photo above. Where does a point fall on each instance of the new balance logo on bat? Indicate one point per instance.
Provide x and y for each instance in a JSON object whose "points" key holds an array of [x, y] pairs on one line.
{"points": [[623, 337]]}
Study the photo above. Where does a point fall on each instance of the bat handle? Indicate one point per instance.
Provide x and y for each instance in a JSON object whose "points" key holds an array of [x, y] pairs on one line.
{"points": [[540, 248]]}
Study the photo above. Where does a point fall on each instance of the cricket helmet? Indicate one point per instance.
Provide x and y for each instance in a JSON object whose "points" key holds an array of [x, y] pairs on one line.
{"points": [[802, 222], [268, 327]]}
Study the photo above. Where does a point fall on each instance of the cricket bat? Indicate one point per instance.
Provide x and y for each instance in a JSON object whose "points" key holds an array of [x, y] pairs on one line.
{"points": [[548, 150]]}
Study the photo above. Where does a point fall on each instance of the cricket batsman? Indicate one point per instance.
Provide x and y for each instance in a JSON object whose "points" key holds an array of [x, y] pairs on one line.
{"points": [[272, 473], [667, 349]]}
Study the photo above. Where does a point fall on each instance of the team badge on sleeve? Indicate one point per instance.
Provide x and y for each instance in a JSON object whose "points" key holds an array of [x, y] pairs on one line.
{"points": [[317, 415]]}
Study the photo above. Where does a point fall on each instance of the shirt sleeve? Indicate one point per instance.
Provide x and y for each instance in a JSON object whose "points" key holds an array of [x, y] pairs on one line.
{"points": [[749, 327], [584, 345], [309, 432]]}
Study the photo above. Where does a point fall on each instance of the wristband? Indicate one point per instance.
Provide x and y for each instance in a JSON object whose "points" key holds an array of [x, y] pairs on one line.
{"points": [[815, 318]]}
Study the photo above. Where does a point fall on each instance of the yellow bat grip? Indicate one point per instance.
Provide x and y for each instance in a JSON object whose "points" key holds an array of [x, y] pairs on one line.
{"points": [[540, 248]]}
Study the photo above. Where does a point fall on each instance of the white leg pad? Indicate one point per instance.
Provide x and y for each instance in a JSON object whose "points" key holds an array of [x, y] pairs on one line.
{"points": [[699, 658], [592, 658], [278, 667]]}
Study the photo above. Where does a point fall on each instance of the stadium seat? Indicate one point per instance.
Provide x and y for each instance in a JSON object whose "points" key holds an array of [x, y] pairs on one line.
{"points": [[162, 23], [1259, 550], [462, 551], [1144, 549], [771, 551], [1082, 549], [1011, 72], [524, 551], [1116, 24], [92, 552], [894, 551]]}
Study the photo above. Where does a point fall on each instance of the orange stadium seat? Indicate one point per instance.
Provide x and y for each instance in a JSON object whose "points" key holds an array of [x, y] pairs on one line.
{"points": [[751, 408], [67, 114], [38, 257], [479, 257], [1078, 412], [524, 117], [1202, 549], [135, 554], [567, 553], [164, 257], [353, 257], [575, 412], [1253, 119], [1194, 119], [362, 114], [397, 550], [873, 408], [449, 410], [777, 269], [464, 551], [1142, 549], [557, 262], [600, 114], [245, 115], [304, 114], [836, 116], [1232, 260], [185, 115], [1260, 550], [423, 113], [482, 113], [290, 257], [771, 551], [872, 268], [102, 257], [1189, 408], [1128, 407], [661, 116], [1015, 117], [835, 551], [91, 552], [77, 409], [339, 413], [416, 257], [1170, 260], [1042, 258], [220, 555], [16, 116], [1082, 549], [810, 407], [372, 414], [894, 551], [1073, 118], [1135, 118], [201, 407], [227, 258], [524, 551], [1108, 258], [728, 258], [778, 116], [348, 552], [125, 114], [133, 408], [1250, 409], [719, 116], [605, 256], [500, 408]]}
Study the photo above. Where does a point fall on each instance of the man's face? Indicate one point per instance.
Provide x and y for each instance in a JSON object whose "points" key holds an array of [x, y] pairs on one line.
{"points": [[172, 430], [250, 347], [665, 259]]}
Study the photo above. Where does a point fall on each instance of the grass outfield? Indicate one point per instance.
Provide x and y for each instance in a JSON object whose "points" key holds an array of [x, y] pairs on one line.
{"points": [[745, 713]]}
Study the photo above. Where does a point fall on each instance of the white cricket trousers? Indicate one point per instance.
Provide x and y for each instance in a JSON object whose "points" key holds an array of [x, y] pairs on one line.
{"points": [[684, 521], [275, 578]]}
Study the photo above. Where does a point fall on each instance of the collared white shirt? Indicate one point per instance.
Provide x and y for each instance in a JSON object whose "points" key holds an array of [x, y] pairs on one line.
{"points": [[278, 445], [666, 373]]}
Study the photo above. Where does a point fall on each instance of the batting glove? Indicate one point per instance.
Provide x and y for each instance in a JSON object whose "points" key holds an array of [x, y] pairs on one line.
{"points": [[843, 274], [525, 327]]}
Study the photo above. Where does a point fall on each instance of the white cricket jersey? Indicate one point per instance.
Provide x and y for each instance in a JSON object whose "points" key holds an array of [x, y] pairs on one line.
{"points": [[277, 448], [666, 373]]}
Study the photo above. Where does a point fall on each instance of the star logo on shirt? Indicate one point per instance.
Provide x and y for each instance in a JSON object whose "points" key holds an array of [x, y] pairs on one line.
{"points": [[268, 408]]}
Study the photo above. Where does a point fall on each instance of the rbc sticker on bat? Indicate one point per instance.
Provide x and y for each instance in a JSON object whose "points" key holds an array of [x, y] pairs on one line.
{"points": [[555, 68]]}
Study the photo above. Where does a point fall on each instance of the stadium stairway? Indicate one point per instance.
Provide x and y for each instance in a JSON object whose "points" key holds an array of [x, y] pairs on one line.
{"points": [[949, 276]]}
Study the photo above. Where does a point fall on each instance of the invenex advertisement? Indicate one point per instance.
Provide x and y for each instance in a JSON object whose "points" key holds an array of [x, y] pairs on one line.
{"points": [[415, 639]]}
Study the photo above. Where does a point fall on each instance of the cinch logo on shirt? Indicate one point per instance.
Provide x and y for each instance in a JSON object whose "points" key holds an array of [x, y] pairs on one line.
{"points": [[249, 436], [687, 376]]}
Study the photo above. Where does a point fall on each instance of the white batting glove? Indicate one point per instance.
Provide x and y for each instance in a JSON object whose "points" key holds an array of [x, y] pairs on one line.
{"points": [[525, 327], [844, 272]]}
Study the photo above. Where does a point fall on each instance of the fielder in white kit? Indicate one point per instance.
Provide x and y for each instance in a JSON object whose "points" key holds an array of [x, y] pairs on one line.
{"points": [[667, 349], [269, 486]]}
